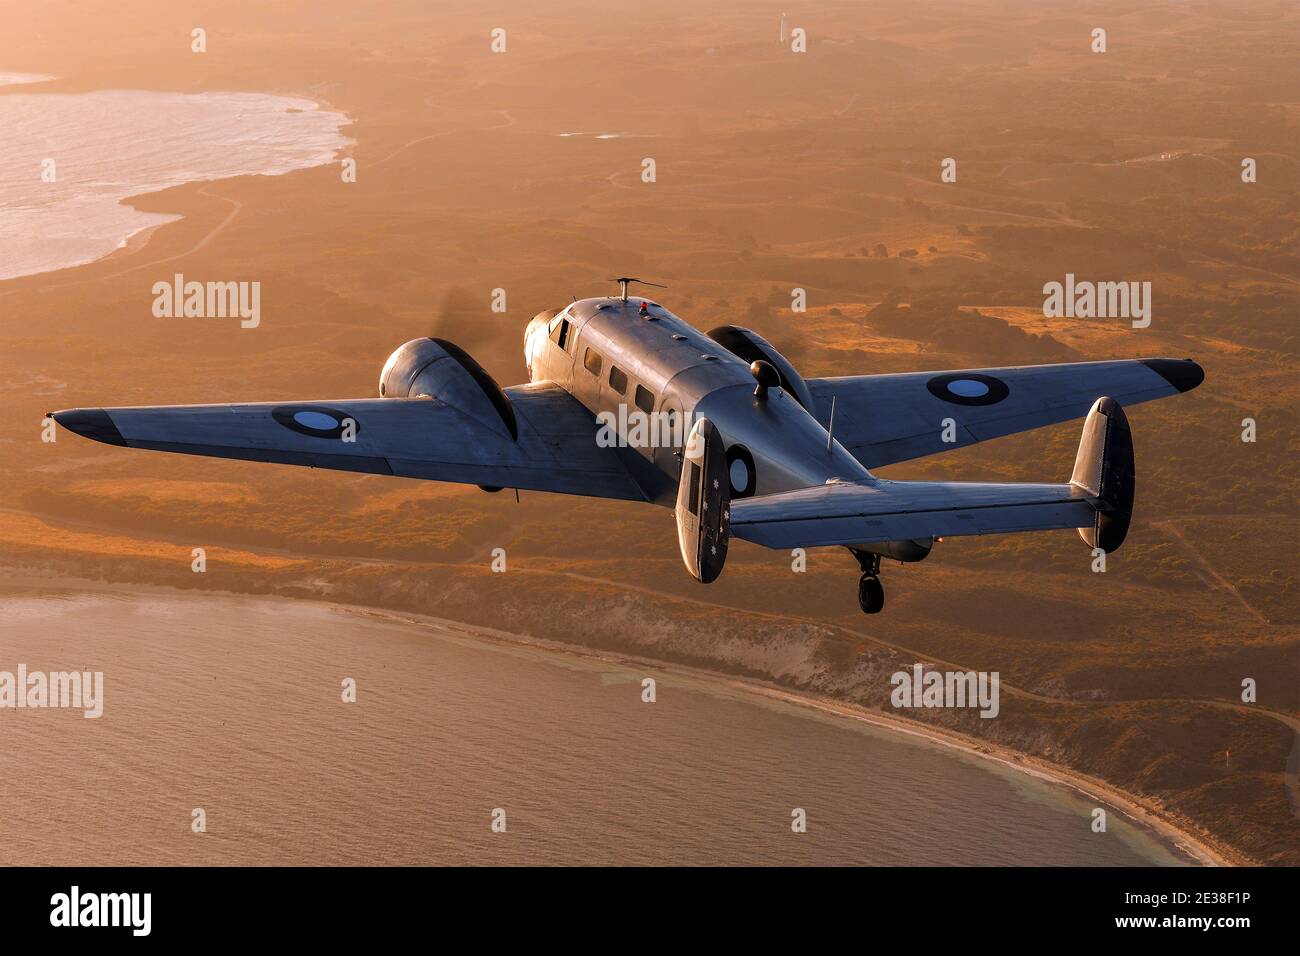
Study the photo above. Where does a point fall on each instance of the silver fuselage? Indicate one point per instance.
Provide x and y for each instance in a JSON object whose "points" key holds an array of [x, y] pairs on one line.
{"points": [[687, 374]]}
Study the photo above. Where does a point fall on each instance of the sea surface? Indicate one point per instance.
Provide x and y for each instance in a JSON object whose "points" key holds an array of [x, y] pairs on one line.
{"points": [[235, 706], [67, 160]]}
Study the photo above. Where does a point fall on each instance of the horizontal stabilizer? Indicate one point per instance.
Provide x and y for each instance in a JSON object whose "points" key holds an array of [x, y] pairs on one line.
{"points": [[864, 512]]}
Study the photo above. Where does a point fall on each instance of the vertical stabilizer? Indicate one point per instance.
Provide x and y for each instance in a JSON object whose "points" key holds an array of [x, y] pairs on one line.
{"points": [[704, 503], [1104, 470]]}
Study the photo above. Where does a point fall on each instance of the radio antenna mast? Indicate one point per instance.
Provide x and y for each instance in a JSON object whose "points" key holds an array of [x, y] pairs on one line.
{"points": [[624, 281]]}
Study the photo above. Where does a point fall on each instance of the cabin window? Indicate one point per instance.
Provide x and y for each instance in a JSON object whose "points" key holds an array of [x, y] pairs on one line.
{"points": [[617, 379], [592, 361], [645, 399]]}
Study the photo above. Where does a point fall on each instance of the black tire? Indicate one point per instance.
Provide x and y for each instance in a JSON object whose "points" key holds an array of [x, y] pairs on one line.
{"points": [[871, 594]]}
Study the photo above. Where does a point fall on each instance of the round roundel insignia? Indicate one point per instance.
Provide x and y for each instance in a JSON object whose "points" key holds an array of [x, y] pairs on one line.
{"points": [[968, 388], [743, 474], [315, 420]]}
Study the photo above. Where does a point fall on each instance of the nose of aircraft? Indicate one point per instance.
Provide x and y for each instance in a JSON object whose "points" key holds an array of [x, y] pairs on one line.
{"points": [[536, 326]]}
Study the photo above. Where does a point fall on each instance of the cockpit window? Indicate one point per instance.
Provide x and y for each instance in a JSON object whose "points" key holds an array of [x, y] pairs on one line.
{"points": [[617, 379], [645, 399], [559, 332], [593, 361]]}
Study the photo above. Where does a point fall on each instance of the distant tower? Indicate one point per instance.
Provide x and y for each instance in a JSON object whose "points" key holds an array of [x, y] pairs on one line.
{"points": [[785, 35]]}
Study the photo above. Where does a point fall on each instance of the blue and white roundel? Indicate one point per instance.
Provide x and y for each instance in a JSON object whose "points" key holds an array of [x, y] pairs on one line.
{"points": [[316, 420], [968, 388], [739, 473], [742, 474]]}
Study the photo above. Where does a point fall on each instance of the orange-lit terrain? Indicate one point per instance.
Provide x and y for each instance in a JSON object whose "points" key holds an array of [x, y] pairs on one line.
{"points": [[774, 171]]}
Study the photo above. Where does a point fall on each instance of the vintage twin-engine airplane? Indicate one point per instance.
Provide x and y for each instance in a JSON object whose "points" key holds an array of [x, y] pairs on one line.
{"points": [[720, 427]]}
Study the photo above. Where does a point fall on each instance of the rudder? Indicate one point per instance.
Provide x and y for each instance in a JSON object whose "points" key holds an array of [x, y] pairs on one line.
{"points": [[1105, 470], [703, 503]]}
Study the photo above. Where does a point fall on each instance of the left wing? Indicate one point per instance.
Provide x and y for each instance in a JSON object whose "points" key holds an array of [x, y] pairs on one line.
{"points": [[555, 448], [882, 419]]}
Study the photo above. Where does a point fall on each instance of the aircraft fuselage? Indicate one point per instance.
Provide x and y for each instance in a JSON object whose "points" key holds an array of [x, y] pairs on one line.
{"points": [[617, 359]]}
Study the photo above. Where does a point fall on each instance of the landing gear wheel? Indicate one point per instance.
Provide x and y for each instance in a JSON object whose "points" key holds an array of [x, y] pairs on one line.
{"points": [[871, 594]]}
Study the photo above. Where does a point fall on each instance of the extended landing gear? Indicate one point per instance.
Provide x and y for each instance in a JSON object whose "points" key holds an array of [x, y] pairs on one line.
{"points": [[871, 593]]}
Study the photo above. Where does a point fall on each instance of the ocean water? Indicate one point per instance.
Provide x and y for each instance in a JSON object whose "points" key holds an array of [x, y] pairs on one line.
{"points": [[233, 705], [111, 144]]}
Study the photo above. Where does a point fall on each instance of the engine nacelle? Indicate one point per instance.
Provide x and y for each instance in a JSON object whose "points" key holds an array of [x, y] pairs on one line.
{"points": [[436, 368], [752, 347]]}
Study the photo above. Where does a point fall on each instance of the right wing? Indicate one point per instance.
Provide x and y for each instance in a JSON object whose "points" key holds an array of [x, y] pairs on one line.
{"points": [[882, 419], [555, 449]]}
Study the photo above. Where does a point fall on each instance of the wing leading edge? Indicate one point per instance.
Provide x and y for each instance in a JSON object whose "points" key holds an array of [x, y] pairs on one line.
{"points": [[555, 449]]}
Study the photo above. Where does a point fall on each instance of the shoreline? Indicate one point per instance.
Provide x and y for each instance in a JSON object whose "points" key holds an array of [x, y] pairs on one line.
{"points": [[138, 238], [1157, 824], [1168, 833]]}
